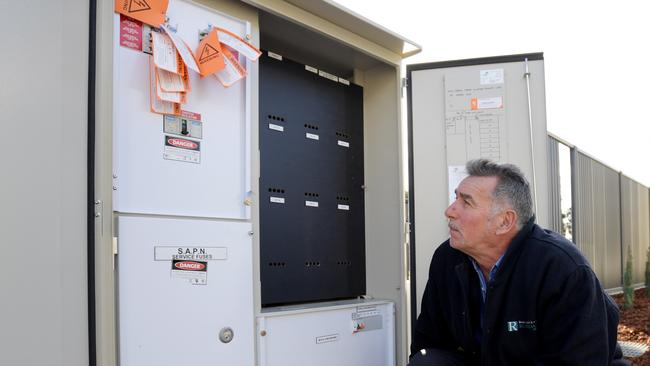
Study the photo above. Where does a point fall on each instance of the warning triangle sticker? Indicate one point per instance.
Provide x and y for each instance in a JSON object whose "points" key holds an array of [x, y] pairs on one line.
{"points": [[138, 5], [151, 12], [207, 53]]}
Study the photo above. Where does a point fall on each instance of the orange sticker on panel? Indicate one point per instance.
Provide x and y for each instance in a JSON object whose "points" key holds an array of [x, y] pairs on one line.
{"points": [[209, 55], [151, 12], [474, 104]]}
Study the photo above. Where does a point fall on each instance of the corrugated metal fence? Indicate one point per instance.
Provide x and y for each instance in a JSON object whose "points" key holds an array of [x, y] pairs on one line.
{"points": [[610, 212], [635, 219], [597, 212]]}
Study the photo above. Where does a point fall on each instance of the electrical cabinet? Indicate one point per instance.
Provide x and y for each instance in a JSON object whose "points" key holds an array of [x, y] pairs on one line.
{"points": [[293, 187]]}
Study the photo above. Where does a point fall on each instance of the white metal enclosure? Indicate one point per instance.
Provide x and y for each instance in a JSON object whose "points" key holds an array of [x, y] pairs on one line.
{"points": [[193, 204], [340, 334]]}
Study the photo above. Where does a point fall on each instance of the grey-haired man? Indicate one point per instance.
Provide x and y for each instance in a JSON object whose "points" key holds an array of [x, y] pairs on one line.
{"points": [[503, 291]]}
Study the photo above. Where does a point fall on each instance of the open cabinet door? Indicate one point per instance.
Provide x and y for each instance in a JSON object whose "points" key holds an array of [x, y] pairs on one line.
{"points": [[492, 108]]}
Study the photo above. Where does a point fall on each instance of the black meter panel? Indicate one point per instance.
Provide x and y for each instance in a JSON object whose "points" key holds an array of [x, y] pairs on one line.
{"points": [[312, 241]]}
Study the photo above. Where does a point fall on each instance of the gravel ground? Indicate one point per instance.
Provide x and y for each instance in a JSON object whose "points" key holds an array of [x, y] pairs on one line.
{"points": [[634, 325]]}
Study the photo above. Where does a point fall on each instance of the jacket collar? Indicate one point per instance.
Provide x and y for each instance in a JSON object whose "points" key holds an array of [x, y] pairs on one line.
{"points": [[514, 249]]}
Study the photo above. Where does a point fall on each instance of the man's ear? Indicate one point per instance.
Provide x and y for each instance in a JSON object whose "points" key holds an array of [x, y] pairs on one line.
{"points": [[507, 222]]}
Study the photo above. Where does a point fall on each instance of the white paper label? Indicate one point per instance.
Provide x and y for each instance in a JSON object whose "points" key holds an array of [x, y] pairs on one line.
{"points": [[327, 75], [456, 175], [277, 199], [311, 203], [181, 47], [168, 253], [184, 155], [164, 52], [311, 69], [311, 136], [327, 338], [494, 76], [344, 143], [231, 73], [489, 103], [169, 81], [276, 127], [275, 56], [364, 312], [234, 41], [344, 81], [344, 207]]}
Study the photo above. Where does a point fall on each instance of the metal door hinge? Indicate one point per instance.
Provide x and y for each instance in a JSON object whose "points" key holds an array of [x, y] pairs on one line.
{"points": [[99, 208], [405, 84]]}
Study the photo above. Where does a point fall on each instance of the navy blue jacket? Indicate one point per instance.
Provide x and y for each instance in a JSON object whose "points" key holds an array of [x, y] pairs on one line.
{"points": [[544, 306]]}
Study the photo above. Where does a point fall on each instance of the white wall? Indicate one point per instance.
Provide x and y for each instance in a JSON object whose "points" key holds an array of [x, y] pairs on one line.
{"points": [[43, 97]]}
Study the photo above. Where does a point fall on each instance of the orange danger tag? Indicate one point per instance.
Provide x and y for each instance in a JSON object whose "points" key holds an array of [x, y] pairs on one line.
{"points": [[208, 54], [233, 72], [151, 12], [158, 105], [232, 40]]}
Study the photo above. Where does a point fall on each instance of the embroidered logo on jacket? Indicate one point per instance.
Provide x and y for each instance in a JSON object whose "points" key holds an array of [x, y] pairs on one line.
{"points": [[515, 326]]}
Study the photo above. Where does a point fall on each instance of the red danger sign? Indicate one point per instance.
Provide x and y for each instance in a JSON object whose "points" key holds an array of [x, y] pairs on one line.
{"points": [[190, 265], [182, 143]]}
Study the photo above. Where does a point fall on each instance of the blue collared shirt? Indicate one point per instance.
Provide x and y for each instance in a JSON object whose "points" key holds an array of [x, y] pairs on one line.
{"points": [[481, 278]]}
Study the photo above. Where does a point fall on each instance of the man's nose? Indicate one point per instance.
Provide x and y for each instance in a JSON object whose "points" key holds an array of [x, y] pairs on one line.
{"points": [[450, 212]]}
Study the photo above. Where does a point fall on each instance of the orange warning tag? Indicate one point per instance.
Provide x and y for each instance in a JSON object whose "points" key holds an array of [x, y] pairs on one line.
{"points": [[168, 96], [169, 81], [157, 105], [233, 72], [208, 55], [151, 12], [186, 78], [232, 40]]}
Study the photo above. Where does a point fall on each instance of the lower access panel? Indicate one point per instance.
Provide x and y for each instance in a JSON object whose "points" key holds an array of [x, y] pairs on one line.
{"points": [[185, 292], [341, 334], [312, 241]]}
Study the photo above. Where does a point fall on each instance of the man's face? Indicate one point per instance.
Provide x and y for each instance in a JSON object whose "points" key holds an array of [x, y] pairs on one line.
{"points": [[471, 227]]}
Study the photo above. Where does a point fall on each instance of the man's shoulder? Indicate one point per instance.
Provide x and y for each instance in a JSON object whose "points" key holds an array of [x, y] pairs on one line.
{"points": [[546, 245]]}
